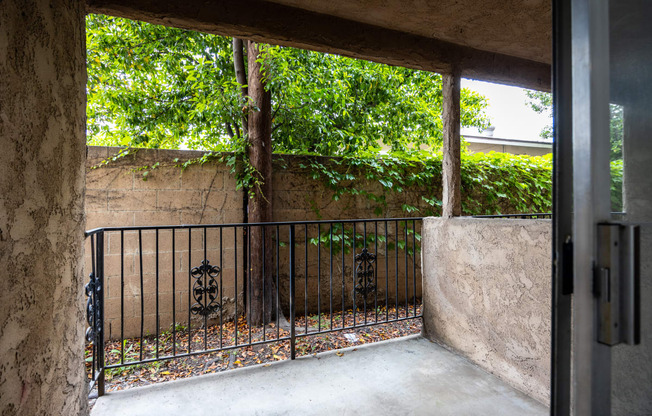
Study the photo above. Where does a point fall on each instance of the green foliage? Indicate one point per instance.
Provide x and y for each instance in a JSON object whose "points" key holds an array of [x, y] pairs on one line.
{"points": [[154, 86], [492, 183], [500, 183], [368, 104], [541, 102], [617, 185]]}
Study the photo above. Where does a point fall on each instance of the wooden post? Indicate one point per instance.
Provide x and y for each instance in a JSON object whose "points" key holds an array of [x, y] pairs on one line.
{"points": [[451, 172]]}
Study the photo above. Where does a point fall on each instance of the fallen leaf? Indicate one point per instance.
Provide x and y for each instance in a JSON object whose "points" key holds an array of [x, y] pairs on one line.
{"points": [[339, 354]]}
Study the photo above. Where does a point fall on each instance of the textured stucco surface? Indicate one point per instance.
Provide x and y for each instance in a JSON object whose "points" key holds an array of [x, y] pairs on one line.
{"points": [[511, 27], [42, 136], [487, 295]]}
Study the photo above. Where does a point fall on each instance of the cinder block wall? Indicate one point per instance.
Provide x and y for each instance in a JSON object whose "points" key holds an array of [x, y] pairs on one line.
{"points": [[117, 195], [487, 294]]}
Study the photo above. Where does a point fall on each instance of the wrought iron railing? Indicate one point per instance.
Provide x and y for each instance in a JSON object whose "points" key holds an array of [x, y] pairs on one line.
{"points": [[94, 291], [544, 215], [164, 292]]}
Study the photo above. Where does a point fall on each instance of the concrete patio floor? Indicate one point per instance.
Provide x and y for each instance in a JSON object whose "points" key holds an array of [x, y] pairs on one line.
{"points": [[406, 376]]}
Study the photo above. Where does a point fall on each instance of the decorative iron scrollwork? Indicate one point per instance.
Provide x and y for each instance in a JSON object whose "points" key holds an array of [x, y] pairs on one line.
{"points": [[205, 290], [364, 272], [93, 289]]}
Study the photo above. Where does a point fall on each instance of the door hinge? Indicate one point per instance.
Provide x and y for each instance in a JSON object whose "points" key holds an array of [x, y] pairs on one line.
{"points": [[616, 283]]}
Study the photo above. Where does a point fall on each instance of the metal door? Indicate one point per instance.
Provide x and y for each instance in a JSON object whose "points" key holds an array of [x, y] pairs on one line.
{"points": [[602, 361]]}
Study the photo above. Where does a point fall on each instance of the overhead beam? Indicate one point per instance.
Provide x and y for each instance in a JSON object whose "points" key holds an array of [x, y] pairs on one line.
{"points": [[290, 26], [451, 164]]}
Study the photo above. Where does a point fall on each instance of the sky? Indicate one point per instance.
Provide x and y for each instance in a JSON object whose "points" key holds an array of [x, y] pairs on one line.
{"points": [[508, 112]]}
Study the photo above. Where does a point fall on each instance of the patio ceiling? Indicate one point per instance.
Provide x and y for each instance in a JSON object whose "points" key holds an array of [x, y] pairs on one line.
{"points": [[510, 27], [505, 41]]}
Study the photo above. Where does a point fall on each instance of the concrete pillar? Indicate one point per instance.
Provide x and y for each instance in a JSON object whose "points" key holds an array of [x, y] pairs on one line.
{"points": [[632, 365], [42, 152], [451, 163]]}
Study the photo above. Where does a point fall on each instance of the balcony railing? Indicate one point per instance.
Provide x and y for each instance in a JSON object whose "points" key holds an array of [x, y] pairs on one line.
{"points": [[163, 292], [539, 216]]}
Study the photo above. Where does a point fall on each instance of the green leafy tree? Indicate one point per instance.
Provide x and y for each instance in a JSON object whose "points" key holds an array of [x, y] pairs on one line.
{"points": [[154, 86], [541, 102]]}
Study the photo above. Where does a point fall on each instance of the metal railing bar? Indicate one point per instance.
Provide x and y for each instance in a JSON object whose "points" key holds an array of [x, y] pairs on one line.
{"points": [[319, 275], [343, 284], [193, 353], [330, 293], [354, 306], [248, 234], [386, 276], [235, 296], [292, 288], [396, 265], [414, 266], [264, 284], [157, 295], [376, 270], [142, 293], [405, 252], [205, 295], [189, 288], [326, 331], [364, 246], [305, 277], [221, 289], [90, 232], [174, 299], [100, 293], [94, 350], [540, 214], [278, 304], [122, 296]]}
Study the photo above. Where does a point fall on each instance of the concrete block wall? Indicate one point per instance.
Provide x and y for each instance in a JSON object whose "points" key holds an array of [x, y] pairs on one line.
{"points": [[487, 294]]}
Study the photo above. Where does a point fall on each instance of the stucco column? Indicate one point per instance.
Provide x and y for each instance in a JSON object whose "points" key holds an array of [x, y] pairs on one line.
{"points": [[42, 152]]}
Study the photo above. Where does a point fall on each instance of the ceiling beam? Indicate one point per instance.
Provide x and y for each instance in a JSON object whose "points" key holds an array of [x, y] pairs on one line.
{"points": [[289, 26]]}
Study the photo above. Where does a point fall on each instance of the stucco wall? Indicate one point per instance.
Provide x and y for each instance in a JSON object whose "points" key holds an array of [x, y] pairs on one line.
{"points": [[42, 135], [117, 195], [487, 291]]}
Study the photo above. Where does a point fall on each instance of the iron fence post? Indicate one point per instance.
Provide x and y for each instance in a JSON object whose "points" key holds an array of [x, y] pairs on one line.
{"points": [[100, 297], [292, 294]]}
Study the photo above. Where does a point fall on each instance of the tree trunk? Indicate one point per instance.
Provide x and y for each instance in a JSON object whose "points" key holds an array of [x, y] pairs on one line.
{"points": [[452, 176], [260, 204], [241, 77]]}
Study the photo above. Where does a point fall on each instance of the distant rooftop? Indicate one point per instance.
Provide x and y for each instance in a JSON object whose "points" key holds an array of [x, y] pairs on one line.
{"points": [[486, 139]]}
